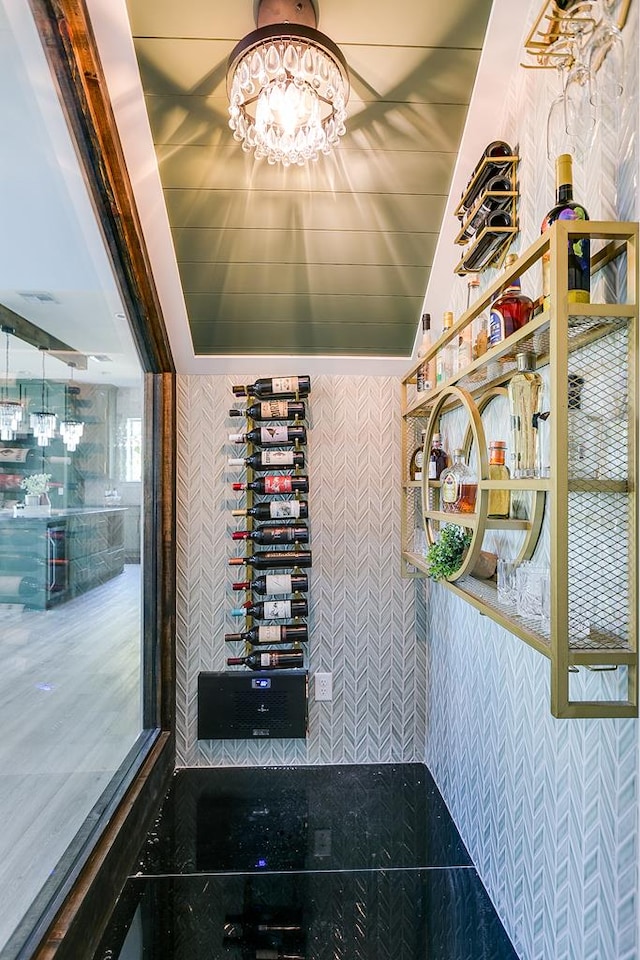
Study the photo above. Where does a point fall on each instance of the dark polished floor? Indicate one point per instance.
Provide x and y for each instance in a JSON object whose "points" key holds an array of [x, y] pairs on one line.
{"points": [[311, 863]]}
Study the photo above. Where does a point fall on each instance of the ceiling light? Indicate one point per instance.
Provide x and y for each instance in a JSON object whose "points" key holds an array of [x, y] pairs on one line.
{"points": [[288, 85], [10, 410], [71, 430], [43, 422]]}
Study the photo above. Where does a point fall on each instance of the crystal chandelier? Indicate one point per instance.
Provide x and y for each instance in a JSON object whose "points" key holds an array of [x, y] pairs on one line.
{"points": [[10, 410], [288, 85], [43, 422], [71, 430]]}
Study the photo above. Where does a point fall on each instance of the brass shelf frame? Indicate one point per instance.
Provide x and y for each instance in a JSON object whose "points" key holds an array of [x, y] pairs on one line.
{"points": [[554, 335]]}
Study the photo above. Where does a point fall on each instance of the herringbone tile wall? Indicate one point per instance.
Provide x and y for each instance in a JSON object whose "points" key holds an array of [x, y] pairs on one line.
{"points": [[362, 617], [548, 808]]}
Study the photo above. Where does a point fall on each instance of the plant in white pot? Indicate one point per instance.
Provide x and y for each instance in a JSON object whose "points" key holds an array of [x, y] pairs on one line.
{"points": [[36, 486]]}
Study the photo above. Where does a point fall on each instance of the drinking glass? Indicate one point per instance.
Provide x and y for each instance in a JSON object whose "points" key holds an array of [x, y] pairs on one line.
{"points": [[532, 585], [507, 591], [606, 57]]}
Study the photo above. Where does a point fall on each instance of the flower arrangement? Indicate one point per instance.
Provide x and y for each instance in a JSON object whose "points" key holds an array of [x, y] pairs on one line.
{"points": [[36, 483]]}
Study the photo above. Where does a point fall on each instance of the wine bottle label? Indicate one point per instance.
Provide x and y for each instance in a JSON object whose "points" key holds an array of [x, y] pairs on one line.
{"points": [[288, 508], [278, 583], [265, 659], [274, 434], [273, 409], [269, 634], [284, 385], [271, 458], [277, 609], [496, 327], [450, 489], [433, 470], [278, 484]]}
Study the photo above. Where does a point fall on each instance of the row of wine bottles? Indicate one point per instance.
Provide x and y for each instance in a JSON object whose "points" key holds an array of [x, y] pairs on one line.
{"points": [[279, 401]]}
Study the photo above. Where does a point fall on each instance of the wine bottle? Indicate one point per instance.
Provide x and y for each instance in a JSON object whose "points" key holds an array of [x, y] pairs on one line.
{"points": [[275, 584], [579, 249], [269, 660], [271, 436], [272, 609], [280, 633], [490, 242], [292, 533], [494, 164], [488, 205], [511, 309], [417, 459], [276, 510], [274, 559], [281, 388], [275, 484], [273, 410], [268, 459], [444, 357], [437, 458]]}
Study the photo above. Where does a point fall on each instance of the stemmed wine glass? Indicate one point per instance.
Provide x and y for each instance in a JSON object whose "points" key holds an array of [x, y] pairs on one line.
{"points": [[606, 57], [556, 132], [579, 112]]}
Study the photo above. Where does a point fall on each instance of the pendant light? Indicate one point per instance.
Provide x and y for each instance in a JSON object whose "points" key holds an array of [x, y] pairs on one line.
{"points": [[288, 85], [71, 429], [43, 422], [10, 410]]}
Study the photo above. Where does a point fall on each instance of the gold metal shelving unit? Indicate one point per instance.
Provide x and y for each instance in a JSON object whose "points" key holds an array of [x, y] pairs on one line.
{"points": [[591, 522]]}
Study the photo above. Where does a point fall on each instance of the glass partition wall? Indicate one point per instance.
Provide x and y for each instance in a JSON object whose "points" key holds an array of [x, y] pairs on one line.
{"points": [[72, 488]]}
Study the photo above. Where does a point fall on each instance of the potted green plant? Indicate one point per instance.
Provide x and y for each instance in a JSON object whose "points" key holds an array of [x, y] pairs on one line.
{"points": [[36, 486], [445, 556]]}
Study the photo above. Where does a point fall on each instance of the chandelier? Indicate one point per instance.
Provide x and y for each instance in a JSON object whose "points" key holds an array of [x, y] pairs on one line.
{"points": [[43, 422], [10, 410], [71, 430], [288, 85]]}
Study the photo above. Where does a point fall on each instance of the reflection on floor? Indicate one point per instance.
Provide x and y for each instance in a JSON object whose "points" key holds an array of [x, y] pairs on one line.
{"points": [[71, 711], [312, 863]]}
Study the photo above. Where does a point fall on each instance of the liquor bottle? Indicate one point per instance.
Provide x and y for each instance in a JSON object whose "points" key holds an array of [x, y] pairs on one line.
{"points": [[463, 351], [275, 584], [276, 510], [286, 483], [499, 500], [481, 342], [273, 610], [273, 410], [269, 660], [444, 357], [259, 924], [423, 380], [510, 310], [268, 459], [272, 436], [281, 388], [292, 533], [274, 559], [489, 204], [280, 633], [437, 458], [491, 242], [458, 486], [524, 404], [579, 250], [417, 460]]}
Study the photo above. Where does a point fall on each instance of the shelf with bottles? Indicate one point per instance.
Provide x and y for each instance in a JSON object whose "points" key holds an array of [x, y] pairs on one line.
{"points": [[581, 512], [488, 210]]}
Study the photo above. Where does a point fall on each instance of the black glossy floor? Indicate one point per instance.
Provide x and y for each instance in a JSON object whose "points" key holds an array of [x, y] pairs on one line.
{"points": [[311, 863]]}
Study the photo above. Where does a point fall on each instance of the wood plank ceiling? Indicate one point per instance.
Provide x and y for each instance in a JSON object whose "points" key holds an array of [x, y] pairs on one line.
{"points": [[330, 259]]}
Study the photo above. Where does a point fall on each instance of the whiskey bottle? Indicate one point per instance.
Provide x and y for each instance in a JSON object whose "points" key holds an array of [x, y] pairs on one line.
{"points": [[499, 500], [274, 559], [417, 460], [273, 610], [280, 633], [292, 533], [444, 357], [273, 410], [276, 510], [437, 458], [524, 405], [274, 584], [269, 660], [459, 486], [280, 388], [271, 436], [510, 310], [463, 351], [481, 342], [269, 459], [275, 483], [579, 249]]}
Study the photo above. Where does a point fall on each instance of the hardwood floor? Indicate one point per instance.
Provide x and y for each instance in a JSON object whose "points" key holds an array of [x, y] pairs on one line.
{"points": [[70, 710]]}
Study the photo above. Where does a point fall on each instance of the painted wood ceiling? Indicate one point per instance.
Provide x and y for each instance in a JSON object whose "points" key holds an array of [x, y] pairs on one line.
{"points": [[332, 259]]}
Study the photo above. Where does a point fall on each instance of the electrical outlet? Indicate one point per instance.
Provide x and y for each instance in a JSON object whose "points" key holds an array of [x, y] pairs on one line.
{"points": [[324, 686]]}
